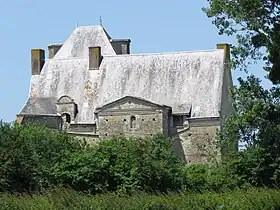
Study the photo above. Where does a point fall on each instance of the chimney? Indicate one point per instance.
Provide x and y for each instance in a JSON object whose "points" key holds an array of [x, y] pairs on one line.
{"points": [[37, 61], [94, 57], [121, 46], [53, 49], [226, 48]]}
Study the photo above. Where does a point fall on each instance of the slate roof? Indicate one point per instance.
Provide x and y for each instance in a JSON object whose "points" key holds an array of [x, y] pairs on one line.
{"points": [[40, 106], [172, 79]]}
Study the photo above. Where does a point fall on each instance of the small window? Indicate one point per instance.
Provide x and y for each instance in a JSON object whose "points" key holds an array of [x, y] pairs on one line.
{"points": [[132, 122], [154, 119], [107, 120], [124, 120], [66, 117]]}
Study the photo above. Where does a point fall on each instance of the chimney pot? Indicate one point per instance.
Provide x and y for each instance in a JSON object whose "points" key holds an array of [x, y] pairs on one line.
{"points": [[53, 49], [121, 46]]}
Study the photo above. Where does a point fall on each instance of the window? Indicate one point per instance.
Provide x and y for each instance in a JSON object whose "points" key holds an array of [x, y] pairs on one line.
{"points": [[132, 122], [66, 117]]}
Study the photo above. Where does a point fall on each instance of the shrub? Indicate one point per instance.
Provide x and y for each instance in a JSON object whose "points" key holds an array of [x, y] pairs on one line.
{"points": [[123, 165], [27, 154], [203, 177], [257, 167]]}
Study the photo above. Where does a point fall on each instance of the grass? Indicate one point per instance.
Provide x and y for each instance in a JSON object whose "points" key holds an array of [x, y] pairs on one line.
{"points": [[68, 199]]}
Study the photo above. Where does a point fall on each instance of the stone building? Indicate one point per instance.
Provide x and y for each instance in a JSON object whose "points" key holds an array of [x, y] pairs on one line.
{"points": [[94, 88]]}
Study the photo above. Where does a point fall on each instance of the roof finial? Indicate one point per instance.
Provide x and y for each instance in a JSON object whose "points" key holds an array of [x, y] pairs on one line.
{"points": [[100, 20], [77, 25]]}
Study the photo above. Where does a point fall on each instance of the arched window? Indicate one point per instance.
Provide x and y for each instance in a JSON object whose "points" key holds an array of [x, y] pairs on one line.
{"points": [[66, 117], [132, 122]]}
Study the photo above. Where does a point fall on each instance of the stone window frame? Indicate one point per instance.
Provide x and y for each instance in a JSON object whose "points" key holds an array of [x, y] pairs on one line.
{"points": [[132, 122], [67, 100], [68, 116]]}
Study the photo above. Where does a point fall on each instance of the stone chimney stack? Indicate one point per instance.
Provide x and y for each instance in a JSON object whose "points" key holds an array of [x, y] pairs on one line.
{"points": [[226, 48], [53, 49], [37, 61], [94, 57], [121, 46]]}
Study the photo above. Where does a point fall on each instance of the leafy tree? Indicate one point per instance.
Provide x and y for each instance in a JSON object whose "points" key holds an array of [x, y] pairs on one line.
{"points": [[122, 165], [27, 154], [256, 25], [257, 124]]}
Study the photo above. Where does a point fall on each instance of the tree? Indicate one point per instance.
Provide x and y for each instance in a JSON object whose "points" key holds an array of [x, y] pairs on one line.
{"points": [[256, 25], [256, 123], [257, 120]]}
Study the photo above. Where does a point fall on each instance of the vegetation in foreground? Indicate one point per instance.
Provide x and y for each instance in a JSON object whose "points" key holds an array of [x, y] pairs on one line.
{"points": [[68, 199], [35, 159]]}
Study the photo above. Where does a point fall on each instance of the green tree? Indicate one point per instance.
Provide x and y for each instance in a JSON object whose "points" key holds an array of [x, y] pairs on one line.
{"points": [[257, 124], [27, 155], [123, 165], [256, 25]]}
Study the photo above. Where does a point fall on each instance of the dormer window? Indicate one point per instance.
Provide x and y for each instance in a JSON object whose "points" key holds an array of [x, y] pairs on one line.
{"points": [[67, 105]]}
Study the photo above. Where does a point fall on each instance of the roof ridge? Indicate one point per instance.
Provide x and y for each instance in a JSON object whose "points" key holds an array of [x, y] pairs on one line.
{"points": [[140, 54], [90, 26], [164, 53]]}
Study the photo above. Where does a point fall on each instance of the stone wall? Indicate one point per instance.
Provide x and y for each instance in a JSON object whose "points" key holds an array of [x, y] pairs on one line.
{"points": [[196, 143], [146, 124]]}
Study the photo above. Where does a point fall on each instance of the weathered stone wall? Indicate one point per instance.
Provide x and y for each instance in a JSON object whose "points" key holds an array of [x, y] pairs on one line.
{"points": [[83, 128], [147, 123], [196, 144], [90, 139]]}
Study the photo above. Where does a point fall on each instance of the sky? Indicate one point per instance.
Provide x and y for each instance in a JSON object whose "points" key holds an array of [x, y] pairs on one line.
{"points": [[152, 26]]}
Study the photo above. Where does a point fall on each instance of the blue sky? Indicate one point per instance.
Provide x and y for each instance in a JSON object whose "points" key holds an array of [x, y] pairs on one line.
{"points": [[152, 25]]}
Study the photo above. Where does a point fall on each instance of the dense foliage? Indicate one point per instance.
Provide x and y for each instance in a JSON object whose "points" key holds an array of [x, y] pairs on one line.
{"points": [[256, 123], [67, 199], [27, 155], [256, 26], [36, 158], [122, 165]]}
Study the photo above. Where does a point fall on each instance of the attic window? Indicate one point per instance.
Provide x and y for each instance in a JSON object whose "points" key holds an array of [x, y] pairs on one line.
{"points": [[132, 122]]}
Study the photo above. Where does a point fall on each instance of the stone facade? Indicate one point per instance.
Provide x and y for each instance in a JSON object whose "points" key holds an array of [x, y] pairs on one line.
{"points": [[131, 116], [94, 88]]}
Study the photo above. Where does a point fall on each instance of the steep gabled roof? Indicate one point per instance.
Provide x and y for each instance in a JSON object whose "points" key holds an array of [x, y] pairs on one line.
{"points": [[172, 79], [76, 46]]}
